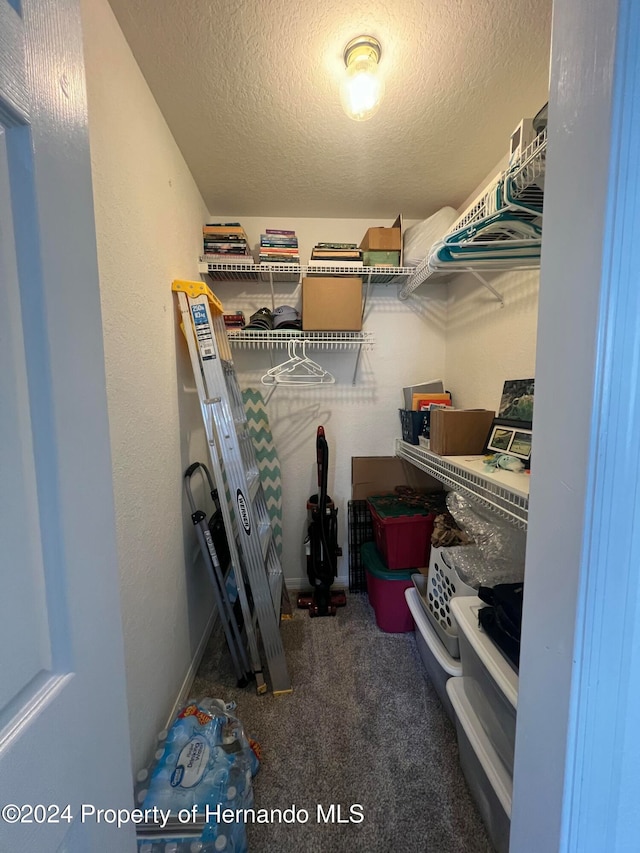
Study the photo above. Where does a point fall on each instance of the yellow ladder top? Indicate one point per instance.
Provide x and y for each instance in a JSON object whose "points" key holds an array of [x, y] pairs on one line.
{"points": [[198, 288]]}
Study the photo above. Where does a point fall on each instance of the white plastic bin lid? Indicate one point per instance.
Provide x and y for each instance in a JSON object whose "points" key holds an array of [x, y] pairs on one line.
{"points": [[465, 610], [494, 769], [444, 660]]}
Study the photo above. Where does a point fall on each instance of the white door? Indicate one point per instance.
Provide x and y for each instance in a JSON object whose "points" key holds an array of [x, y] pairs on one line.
{"points": [[63, 722]]}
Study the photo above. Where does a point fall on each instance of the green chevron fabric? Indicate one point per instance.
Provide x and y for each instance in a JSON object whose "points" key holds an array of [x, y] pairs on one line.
{"points": [[267, 458]]}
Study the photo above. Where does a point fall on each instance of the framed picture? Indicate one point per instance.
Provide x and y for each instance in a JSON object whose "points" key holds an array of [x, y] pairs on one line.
{"points": [[511, 440], [521, 444], [500, 438], [516, 404]]}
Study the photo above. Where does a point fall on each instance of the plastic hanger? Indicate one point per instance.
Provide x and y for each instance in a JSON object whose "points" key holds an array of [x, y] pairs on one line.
{"points": [[297, 370]]}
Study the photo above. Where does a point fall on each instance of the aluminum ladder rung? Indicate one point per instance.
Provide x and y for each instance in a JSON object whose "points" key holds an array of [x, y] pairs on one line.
{"points": [[266, 532], [253, 478]]}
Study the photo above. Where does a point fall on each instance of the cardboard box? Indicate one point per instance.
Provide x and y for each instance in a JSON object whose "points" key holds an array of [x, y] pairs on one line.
{"points": [[384, 239], [331, 304], [381, 240], [457, 432], [375, 475]]}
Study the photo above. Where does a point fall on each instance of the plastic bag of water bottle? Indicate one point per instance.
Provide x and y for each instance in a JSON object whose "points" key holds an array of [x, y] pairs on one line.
{"points": [[205, 765]]}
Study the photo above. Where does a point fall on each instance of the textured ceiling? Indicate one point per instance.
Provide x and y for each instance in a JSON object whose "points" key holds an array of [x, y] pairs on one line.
{"points": [[249, 89]]}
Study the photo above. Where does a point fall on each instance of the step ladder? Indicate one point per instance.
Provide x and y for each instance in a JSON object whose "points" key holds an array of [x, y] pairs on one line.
{"points": [[254, 556], [206, 529]]}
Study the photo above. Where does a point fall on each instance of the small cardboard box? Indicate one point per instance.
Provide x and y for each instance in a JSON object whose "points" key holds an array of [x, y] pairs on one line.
{"points": [[332, 304], [381, 240], [384, 239], [456, 432], [381, 259], [375, 475]]}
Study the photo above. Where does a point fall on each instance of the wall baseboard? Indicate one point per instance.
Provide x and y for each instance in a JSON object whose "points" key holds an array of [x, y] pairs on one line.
{"points": [[190, 675]]}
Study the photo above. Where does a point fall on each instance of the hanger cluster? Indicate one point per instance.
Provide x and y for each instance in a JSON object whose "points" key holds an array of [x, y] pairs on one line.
{"points": [[297, 369]]}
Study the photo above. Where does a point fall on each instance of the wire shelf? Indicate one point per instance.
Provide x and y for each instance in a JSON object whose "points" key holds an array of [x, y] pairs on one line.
{"points": [[505, 493], [293, 273], [484, 206], [248, 272], [532, 165], [370, 275], [255, 339], [519, 190]]}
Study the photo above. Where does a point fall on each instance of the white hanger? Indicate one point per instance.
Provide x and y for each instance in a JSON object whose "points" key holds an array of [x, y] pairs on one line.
{"points": [[289, 364], [297, 370]]}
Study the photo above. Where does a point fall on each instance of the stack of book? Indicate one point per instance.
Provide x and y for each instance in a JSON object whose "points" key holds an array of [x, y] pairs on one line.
{"points": [[279, 247], [226, 243], [234, 321], [336, 255]]}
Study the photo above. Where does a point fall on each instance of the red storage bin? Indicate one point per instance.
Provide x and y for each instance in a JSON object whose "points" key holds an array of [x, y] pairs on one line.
{"points": [[402, 533], [386, 592]]}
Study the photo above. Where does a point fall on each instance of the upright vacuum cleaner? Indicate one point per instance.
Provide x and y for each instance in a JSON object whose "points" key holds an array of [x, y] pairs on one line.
{"points": [[322, 543]]}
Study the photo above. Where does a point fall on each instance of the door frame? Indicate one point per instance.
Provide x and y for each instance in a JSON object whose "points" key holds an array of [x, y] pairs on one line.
{"points": [[577, 751]]}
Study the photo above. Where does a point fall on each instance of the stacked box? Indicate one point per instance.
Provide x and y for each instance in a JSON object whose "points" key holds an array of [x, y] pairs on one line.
{"points": [[457, 432], [381, 259], [402, 532], [488, 779], [437, 661], [491, 681], [332, 304], [386, 592]]}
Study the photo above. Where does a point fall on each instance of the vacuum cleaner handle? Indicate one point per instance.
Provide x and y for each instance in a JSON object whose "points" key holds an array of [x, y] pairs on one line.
{"points": [[322, 459]]}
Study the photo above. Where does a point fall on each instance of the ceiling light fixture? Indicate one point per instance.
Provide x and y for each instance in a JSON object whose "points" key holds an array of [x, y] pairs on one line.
{"points": [[362, 87]]}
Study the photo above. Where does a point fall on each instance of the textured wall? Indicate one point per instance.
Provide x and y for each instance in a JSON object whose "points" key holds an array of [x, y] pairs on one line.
{"points": [[487, 343], [359, 420], [148, 218]]}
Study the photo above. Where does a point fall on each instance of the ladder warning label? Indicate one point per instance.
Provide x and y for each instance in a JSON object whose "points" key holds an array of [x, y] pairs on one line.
{"points": [[203, 331]]}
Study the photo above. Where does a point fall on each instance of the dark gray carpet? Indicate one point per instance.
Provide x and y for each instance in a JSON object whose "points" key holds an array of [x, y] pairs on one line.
{"points": [[362, 726]]}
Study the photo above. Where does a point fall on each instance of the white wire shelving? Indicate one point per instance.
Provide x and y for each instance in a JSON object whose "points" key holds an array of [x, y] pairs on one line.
{"points": [[505, 493], [484, 238], [270, 340], [294, 273], [256, 339], [274, 274]]}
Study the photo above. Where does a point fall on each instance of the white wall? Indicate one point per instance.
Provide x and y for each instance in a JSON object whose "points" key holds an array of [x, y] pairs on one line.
{"points": [[359, 420], [487, 343], [148, 217]]}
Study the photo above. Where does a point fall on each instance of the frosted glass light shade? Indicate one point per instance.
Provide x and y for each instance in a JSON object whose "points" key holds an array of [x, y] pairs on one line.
{"points": [[362, 87]]}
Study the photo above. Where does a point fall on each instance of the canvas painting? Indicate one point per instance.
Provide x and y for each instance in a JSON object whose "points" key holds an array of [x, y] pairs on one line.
{"points": [[516, 405]]}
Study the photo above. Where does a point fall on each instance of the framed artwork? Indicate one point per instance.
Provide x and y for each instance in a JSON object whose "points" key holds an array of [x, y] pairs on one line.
{"points": [[516, 404], [511, 440], [521, 444], [511, 428]]}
